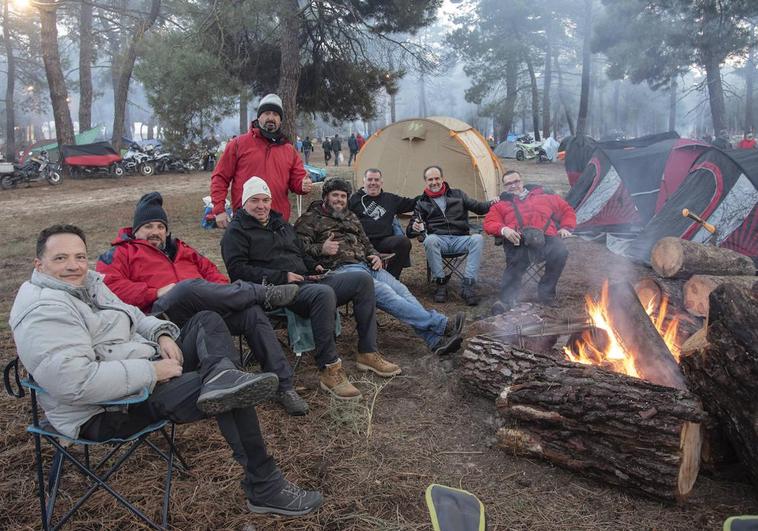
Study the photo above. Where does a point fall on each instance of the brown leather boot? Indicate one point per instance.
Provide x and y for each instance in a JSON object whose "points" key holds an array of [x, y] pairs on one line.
{"points": [[334, 380], [373, 361]]}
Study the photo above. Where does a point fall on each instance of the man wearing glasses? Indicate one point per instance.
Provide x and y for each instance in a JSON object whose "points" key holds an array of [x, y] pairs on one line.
{"points": [[523, 213]]}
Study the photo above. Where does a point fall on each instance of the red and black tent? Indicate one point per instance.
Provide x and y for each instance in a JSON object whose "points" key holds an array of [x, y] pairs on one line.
{"points": [[578, 151], [626, 183], [722, 188], [97, 154]]}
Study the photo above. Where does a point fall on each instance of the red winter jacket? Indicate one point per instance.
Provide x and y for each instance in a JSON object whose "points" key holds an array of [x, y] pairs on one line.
{"points": [[747, 143], [535, 210], [252, 155], [134, 270]]}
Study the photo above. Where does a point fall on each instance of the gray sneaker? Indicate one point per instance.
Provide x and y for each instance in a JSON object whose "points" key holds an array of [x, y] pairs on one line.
{"points": [[447, 345], [290, 501], [231, 389], [292, 402], [279, 296], [454, 326]]}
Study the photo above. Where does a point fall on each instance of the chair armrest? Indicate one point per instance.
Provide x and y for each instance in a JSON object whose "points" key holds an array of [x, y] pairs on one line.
{"points": [[12, 367], [125, 401]]}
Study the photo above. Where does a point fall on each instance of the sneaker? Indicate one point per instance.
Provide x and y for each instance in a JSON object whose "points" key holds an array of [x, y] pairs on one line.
{"points": [[290, 501], [292, 402], [231, 389], [440, 292], [334, 380], [373, 361], [279, 296], [447, 345], [454, 326], [468, 292]]}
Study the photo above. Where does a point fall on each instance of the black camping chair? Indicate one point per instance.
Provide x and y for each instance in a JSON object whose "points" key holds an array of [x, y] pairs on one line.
{"points": [[452, 266], [94, 473]]}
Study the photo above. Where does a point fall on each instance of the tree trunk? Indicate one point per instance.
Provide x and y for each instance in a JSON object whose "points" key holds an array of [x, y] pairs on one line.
{"points": [[723, 373], [699, 287], [584, 98], [422, 95], [289, 66], [616, 96], [673, 257], [392, 107], [10, 87], [749, 80], [672, 104], [511, 95], [715, 93], [535, 96], [64, 127], [608, 426], [546, 86], [86, 54], [125, 71], [562, 98]]}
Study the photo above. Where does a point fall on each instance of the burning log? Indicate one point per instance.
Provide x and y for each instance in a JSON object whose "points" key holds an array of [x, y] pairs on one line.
{"points": [[659, 294], [676, 258], [723, 372], [609, 426], [699, 287], [523, 329]]}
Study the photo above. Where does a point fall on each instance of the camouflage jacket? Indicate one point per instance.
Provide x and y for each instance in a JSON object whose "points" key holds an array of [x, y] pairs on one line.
{"points": [[315, 225]]}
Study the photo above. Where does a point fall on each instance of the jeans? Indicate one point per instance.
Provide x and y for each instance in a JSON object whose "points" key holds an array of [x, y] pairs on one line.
{"points": [[394, 298], [517, 261], [435, 245], [318, 301], [238, 304], [208, 348]]}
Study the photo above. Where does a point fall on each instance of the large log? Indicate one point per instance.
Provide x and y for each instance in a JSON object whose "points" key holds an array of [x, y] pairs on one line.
{"points": [[653, 291], [638, 335], [525, 329], [697, 289], [724, 373], [609, 426], [676, 258]]}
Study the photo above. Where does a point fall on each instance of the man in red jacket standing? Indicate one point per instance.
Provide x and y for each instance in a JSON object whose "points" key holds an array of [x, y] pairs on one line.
{"points": [[148, 268], [264, 151], [533, 224]]}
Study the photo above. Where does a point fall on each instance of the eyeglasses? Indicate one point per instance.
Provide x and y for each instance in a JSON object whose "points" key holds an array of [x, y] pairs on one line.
{"points": [[511, 183]]}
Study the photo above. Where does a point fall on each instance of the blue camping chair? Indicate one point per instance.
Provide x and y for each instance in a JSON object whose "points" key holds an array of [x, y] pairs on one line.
{"points": [[96, 476]]}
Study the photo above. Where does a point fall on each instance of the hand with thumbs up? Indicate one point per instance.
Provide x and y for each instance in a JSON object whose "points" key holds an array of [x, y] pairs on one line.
{"points": [[330, 247], [307, 185]]}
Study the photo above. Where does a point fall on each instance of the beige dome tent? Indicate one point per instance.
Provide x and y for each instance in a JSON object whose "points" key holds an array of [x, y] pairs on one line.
{"points": [[402, 150]]}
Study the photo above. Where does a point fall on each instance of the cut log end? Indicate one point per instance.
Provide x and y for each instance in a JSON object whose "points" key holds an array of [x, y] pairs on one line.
{"points": [[667, 257], [691, 446]]}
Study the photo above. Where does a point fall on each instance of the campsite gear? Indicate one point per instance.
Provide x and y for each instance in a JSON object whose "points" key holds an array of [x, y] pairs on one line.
{"points": [[531, 237], [454, 509], [405, 148], [374, 362], [92, 159], [707, 226], [741, 523], [526, 148], [209, 219], [334, 380], [577, 152], [36, 168]]}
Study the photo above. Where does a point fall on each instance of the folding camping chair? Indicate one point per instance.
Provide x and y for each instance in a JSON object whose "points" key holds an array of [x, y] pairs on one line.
{"points": [[97, 478], [452, 266]]}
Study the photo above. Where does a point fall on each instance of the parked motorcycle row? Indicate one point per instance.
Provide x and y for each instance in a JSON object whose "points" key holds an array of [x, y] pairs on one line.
{"points": [[34, 169]]}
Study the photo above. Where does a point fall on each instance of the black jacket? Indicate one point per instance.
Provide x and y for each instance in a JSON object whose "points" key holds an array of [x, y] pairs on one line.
{"points": [[252, 251], [452, 222], [377, 213]]}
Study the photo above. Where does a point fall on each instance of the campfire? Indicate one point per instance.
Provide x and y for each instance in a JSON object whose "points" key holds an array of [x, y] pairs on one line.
{"points": [[602, 345]]}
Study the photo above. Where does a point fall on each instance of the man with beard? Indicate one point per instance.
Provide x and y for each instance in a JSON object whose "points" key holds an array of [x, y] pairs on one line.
{"points": [[148, 268], [333, 236], [265, 151]]}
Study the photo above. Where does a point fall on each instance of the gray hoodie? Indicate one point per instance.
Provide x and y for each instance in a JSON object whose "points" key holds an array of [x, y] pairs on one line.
{"points": [[83, 346]]}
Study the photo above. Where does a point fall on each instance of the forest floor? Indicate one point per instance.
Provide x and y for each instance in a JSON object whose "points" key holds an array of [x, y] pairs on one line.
{"points": [[373, 461]]}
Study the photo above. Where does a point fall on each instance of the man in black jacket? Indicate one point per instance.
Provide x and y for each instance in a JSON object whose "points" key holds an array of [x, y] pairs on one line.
{"points": [[442, 217], [260, 246], [377, 210]]}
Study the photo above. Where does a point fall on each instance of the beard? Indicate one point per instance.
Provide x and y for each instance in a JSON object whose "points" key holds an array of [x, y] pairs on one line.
{"points": [[337, 214]]}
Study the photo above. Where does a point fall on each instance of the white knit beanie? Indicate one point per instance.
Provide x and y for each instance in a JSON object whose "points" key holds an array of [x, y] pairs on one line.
{"points": [[270, 102], [254, 186]]}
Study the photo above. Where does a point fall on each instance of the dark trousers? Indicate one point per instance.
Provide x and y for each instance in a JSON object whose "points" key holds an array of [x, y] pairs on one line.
{"points": [[208, 348], [336, 157], [238, 304], [517, 261], [327, 156], [353, 156], [319, 302], [401, 246]]}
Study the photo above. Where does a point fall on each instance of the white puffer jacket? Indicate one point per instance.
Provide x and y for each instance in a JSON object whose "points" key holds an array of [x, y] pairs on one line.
{"points": [[83, 346]]}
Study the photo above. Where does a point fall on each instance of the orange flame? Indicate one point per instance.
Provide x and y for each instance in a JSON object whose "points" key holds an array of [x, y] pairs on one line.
{"points": [[610, 353]]}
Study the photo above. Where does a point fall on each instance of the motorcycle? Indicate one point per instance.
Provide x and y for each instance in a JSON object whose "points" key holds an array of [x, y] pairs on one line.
{"points": [[135, 160], [526, 148], [32, 170]]}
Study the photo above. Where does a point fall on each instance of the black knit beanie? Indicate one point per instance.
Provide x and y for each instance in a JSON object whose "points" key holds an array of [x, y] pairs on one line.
{"points": [[149, 208]]}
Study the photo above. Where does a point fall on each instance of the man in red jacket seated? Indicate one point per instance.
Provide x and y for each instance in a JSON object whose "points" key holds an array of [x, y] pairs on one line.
{"points": [[148, 268], [263, 151], [532, 208]]}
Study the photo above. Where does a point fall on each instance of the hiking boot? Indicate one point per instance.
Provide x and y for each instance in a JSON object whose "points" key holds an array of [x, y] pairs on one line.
{"points": [[468, 292], [454, 326], [290, 501], [292, 402], [231, 389], [334, 380], [447, 345], [440, 292], [279, 296], [373, 361]]}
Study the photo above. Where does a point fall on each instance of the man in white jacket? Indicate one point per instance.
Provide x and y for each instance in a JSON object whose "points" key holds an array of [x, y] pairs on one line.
{"points": [[85, 346]]}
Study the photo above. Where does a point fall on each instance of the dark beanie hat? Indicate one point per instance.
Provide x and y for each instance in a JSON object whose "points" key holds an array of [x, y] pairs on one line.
{"points": [[149, 208], [336, 183]]}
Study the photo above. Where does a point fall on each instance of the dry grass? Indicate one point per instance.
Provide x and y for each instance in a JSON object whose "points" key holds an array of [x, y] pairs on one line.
{"points": [[372, 461]]}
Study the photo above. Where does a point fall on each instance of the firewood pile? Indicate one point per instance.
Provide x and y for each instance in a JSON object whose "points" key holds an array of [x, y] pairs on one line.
{"points": [[650, 426]]}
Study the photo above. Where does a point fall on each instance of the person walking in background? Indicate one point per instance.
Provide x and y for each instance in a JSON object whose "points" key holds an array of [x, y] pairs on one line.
{"points": [[326, 145], [307, 148], [747, 142], [722, 141], [337, 149], [359, 138], [352, 145]]}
